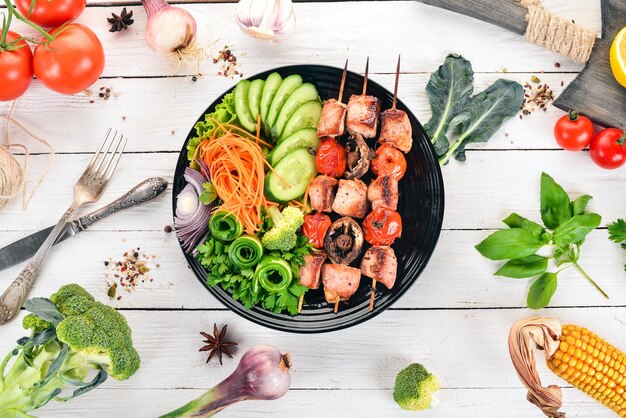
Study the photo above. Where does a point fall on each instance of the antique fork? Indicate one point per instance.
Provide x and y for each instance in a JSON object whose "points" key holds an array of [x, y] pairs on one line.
{"points": [[87, 189]]}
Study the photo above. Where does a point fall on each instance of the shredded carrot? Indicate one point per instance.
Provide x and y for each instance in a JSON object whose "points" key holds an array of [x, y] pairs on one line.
{"points": [[237, 169]]}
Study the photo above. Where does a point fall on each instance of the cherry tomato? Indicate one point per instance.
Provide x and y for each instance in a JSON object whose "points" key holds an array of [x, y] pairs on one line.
{"points": [[331, 158], [315, 227], [50, 13], [71, 62], [573, 131], [389, 161], [608, 148], [16, 68], [382, 226]]}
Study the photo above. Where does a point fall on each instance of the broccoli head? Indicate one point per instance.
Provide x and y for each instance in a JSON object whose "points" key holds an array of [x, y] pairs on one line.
{"points": [[72, 337], [282, 236], [414, 388]]}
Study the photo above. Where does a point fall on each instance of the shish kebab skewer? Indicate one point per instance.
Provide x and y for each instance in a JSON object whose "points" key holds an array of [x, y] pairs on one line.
{"points": [[395, 124], [333, 119]]}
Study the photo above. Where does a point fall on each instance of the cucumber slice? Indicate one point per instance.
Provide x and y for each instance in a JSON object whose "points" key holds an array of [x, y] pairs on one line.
{"points": [[254, 98], [306, 116], [306, 92], [304, 138], [272, 82], [287, 87], [241, 106], [291, 176]]}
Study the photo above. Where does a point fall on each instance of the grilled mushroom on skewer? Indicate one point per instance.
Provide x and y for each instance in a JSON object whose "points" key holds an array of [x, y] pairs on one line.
{"points": [[351, 198], [344, 241], [322, 191], [379, 263], [333, 119], [395, 125], [383, 192], [340, 282], [309, 273], [358, 157], [363, 110]]}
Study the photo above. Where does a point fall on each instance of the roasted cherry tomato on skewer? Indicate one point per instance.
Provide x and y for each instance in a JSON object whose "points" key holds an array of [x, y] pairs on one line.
{"points": [[382, 226], [389, 161], [315, 227], [608, 148], [573, 131], [330, 159], [16, 67]]}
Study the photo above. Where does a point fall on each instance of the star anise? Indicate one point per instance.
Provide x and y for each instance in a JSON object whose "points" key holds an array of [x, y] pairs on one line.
{"points": [[216, 343], [123, 21]]}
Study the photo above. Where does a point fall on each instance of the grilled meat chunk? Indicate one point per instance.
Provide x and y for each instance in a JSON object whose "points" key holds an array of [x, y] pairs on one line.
{"points": [[362, 115], [309, 273], [358, 158], [322, 191], [396, 129], [383, 192], [380, 263], [333, 120], [351, 198], [340, 282]]}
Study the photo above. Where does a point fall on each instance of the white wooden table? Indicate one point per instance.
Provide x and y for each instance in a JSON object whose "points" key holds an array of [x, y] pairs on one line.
{"points": [[455, 319]]}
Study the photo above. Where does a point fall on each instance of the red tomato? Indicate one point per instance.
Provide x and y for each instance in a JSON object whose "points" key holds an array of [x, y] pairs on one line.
{"points": [[71, 62], [573, 131], [16, 68], [389, 162], [50, 13], [382, 226], [608, 148], [315, 227], [331, 158]]}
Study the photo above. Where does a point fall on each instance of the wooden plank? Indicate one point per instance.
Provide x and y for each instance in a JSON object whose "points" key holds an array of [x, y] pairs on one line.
{"points": [[115, 403], [444, 284], [479, 193], [170, 106], [464, 349], [351, 30]]}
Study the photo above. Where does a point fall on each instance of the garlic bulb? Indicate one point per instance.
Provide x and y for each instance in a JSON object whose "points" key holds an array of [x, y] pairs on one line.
{"points": [[271, 20]]}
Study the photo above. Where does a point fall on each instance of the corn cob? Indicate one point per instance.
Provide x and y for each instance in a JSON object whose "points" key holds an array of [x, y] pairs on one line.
{"points": [[575, 354]]}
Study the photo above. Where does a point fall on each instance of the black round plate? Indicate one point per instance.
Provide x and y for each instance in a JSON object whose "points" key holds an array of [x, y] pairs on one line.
{"points": [[421, 206]]}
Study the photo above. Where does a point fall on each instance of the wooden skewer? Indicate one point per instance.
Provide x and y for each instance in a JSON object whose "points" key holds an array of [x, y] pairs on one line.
{"points": [[258, 128], [300, 303], [367, 66], [395, 88], [372, 295], [336, 305], [343, 81]]}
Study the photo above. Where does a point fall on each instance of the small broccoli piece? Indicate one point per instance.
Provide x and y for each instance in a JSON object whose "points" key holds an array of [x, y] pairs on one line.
{"points": [[414, 388], [282, 236], [91, 338]]}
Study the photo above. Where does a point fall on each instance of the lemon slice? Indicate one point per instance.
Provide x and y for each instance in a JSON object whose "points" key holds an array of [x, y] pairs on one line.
{"points": [[618, 57]]}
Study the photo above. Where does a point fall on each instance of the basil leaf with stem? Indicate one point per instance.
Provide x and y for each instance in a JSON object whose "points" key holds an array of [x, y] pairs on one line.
{"points": [[449, 89], [555, 203], [483, 116], [580, 204], [522, 268], [516, 221], [509, 243], [541, 291], [576, 229]]}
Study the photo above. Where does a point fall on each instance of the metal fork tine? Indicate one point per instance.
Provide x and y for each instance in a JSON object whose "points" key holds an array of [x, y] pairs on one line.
{"points": [[107, 155], [95, 156], [115, 161]]}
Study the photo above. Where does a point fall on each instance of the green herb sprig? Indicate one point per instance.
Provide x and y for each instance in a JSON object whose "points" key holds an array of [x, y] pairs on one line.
{"points": [[617, 233], [566, 226]]}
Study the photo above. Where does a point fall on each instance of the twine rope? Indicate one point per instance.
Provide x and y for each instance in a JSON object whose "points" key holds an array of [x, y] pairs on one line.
{"points": [[12, 173], [557, 34]]}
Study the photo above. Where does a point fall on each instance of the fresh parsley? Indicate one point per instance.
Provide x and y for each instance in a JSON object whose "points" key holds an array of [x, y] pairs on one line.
{"points": [[617, 233], [566, 226], [208, 195], [213, 255]]}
